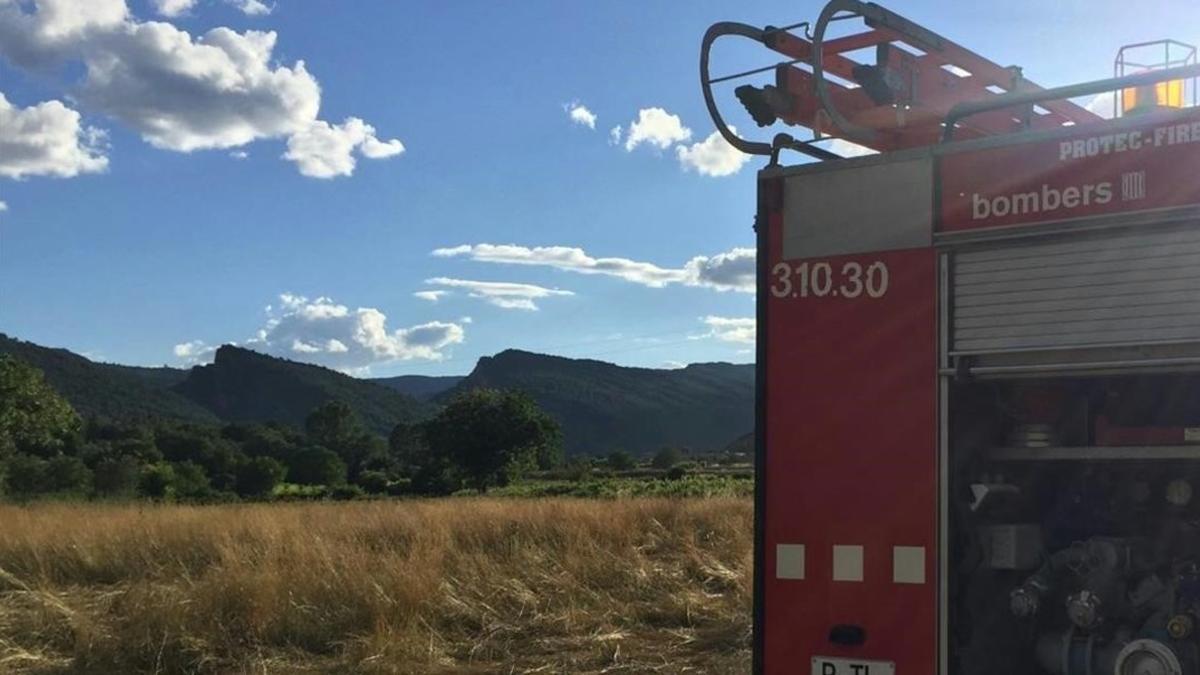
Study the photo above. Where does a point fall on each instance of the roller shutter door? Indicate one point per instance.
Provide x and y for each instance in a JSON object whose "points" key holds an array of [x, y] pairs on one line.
{"points": [[1134, 286]]}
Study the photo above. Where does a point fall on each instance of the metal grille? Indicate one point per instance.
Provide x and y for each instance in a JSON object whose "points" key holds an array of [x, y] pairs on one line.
{"points": [[1133, 286]]}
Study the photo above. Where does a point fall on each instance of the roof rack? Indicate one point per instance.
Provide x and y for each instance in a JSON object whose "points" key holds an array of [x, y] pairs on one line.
{"points": [[901, 100]]}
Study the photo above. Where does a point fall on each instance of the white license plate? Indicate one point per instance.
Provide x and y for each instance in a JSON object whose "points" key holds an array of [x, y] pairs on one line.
{"points": [[826, 666]]}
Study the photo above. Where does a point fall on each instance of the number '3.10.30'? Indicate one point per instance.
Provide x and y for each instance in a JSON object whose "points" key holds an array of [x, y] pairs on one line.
{"points": [[818, 280]]}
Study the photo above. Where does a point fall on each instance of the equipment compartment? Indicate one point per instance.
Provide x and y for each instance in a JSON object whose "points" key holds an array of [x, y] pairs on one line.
{"points": [[1068, 556]]}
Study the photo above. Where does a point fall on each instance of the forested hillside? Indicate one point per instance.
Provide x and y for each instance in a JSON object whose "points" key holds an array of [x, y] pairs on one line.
{"points": [[423, 387], [602, 406], [239, 386], [105, 390], [244, 386]]}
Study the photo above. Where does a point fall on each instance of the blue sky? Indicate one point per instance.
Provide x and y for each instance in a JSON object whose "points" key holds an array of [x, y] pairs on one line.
{"points": [[154, 239]]}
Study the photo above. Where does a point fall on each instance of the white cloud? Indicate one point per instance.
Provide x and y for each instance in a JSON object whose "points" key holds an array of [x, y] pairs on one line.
{"points": [[431, 296], [729, 329], [581, 115], [3, 206], [252, 7], [501, 293], [324, 332], [302, 347], [840, 146], [614, 135], [567, 258], [55, 29], [732, 270], [239, 154], [656, 127], [176, 8], [47, 139], [218, 90], [173, 8], [68, 18], [713, 156], [373, 148], [323, 150], [194, 352], [674, 365], [1102, 104]]}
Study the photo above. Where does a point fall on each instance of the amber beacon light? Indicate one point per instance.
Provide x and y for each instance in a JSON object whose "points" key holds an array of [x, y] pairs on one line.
{"points": [[1151, 56]]}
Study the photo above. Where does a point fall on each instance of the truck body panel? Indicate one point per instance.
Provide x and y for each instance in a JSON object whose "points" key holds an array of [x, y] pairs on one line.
{"points": [[1039, 321]]}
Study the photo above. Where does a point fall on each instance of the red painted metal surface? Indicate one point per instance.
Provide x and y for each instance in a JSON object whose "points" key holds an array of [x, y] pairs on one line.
{"points": [[1089, 173], [915, 117], [1110, 434], [851, 459]]}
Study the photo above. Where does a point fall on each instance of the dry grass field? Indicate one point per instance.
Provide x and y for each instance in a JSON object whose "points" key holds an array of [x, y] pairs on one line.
{"points": [[439, 586]]}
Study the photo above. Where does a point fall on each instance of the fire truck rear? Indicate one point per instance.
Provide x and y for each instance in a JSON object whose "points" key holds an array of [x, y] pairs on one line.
{"points": [[978, 359]]}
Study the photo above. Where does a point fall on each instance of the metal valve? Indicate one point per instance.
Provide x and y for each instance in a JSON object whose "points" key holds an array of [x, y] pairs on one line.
{"points": [[1181, 626], [1083, 609]]}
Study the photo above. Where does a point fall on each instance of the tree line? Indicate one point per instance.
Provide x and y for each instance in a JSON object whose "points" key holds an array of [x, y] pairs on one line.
{"points": [[480, 439]]}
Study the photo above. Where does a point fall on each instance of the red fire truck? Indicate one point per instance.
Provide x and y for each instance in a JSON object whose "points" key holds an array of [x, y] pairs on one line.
{"points": [[978, 359]]}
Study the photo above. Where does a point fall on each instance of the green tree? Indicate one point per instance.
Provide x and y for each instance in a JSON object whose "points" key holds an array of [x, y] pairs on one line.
{"points": [[337, 427], [429, 472], [492, 437], [100, 429], [677, 472], [258, 476], [270, 440], [28, 475], [407, 446], [372, 482], [368, 452], [620, 460], [116, 477], [333, 425], [437, 476], [142, 450], [25, 475], [186, 442], [68, 474], [667, 458], [316, 466], [550, 454], [33, 417], [157, 481], [223, 465], [191, 482], [8, 448]]}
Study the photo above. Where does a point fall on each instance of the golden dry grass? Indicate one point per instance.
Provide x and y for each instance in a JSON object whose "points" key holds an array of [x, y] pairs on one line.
{"points": [[458, 585]]}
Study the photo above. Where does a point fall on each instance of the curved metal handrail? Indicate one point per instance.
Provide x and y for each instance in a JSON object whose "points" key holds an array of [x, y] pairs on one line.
{"points": [[715, 31], [781, 141], [848, 129]]}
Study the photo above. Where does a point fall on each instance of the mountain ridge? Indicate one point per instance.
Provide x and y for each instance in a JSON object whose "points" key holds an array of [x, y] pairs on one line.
{"points": [[242, 385], [601, 406], [109, 390]]}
